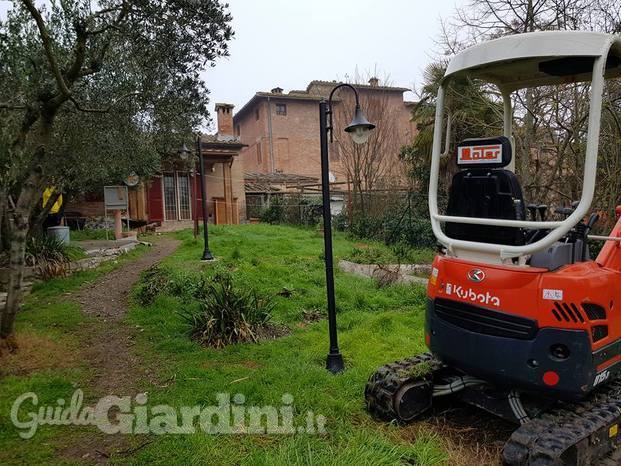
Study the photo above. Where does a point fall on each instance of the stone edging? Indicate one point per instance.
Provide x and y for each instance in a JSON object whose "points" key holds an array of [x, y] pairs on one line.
{"points": [[95, 257], [405, 272]]}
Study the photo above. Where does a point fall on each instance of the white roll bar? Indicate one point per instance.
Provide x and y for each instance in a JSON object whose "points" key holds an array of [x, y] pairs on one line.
{"points": [[557, 229]]}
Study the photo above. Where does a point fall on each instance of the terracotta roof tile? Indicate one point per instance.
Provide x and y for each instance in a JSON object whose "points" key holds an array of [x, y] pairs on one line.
{"points": [[274, 182]]}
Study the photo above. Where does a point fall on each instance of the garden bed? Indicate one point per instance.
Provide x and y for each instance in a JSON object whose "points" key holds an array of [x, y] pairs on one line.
{"points": [[393, 273]]}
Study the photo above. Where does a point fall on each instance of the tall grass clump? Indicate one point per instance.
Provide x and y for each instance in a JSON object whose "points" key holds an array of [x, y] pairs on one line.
{"points": [[50, 257], [153, 281], [228, 313]]}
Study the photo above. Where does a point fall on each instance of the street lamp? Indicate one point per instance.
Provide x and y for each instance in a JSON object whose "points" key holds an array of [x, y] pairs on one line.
{"points": [[360, 130], [184, 153]]}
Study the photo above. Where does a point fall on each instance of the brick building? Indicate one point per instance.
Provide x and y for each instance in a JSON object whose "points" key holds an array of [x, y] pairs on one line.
{"points": [[281, 130], [173, 196]]}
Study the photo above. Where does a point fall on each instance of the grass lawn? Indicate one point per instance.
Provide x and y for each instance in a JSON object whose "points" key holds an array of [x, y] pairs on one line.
{"points": [[48, 362], [375, 325], [89, 234]]}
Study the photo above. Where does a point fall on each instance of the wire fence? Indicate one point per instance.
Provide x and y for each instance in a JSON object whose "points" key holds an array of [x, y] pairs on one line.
{"points": [[389, 216]]}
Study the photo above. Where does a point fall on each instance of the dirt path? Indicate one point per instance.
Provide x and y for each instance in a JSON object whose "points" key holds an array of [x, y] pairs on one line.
{"points": [[109, 349]]}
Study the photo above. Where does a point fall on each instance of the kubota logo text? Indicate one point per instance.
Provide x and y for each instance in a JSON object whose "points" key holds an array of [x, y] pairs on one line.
{"points": [[471, 295]]}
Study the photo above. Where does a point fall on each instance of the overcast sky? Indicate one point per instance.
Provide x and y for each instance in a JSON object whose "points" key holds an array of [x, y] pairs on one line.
{"points": [[288, 43]]}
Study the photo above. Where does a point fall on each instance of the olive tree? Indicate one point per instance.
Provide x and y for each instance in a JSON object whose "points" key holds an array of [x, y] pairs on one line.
{"points": [[93, 90]]}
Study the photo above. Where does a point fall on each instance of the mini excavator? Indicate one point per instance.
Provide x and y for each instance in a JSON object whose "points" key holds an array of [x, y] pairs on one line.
{"points": [[521, 321]]}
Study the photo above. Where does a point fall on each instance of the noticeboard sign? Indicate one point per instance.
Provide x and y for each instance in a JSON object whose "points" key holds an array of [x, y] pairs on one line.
{"points": [[116, 197]]}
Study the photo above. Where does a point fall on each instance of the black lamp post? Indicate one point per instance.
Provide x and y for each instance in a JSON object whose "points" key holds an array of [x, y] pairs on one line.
{"points": [[184, 152], [359, 129]]}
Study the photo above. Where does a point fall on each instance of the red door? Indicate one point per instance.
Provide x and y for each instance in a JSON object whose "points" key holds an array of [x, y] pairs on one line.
{"points": [[155, 201]]}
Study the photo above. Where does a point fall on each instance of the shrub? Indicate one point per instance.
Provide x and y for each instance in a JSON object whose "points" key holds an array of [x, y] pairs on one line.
{"points": [[274, 213], [228, 313], [50, 256], [398, 253], [392, 227], [293, 210], [153, 281], [370, 255]]}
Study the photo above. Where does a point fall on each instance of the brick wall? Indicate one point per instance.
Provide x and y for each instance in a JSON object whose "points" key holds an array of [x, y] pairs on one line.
{"points": [[295, 136], [225, 119]]}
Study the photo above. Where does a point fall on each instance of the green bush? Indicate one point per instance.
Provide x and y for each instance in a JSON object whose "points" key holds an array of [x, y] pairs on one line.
{"points": [[398, 253], [274, 213], [228, 313], [293, 210], [392, 228], [370, 255]]}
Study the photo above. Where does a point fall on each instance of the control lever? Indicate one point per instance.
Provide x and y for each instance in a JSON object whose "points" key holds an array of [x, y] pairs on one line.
{"points": [[543, 211], [585, 232], [532, 209], [565, 211], [593, 219]]}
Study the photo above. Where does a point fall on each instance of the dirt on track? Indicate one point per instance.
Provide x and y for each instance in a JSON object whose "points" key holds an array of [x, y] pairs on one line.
{"points": [[116, 370]]}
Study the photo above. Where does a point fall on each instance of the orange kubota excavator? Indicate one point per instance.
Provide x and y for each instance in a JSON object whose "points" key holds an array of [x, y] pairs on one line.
{"points": [[521, 320]]}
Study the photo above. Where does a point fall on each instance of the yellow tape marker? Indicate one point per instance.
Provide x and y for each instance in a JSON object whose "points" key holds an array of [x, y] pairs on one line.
{"points": [[613, 431]]}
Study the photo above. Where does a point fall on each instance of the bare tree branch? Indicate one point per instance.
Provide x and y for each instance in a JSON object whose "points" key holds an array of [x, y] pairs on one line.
{"points": [[9, 106], [81, 108], [48, 47]]}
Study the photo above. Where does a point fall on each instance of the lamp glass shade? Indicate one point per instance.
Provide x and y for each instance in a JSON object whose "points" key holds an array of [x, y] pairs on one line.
{"points": [[360, 135], [359, 128]]}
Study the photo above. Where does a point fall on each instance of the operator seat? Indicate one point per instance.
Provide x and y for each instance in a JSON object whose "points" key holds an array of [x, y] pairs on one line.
{"points": [[484, 189]]}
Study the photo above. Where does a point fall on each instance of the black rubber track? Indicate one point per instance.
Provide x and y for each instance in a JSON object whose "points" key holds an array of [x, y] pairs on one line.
{"points": [[540, 442], [543, 441], [383, 385]]}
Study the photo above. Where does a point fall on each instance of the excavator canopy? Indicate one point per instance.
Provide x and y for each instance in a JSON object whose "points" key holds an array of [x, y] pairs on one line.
{"points": [[538, 58], [512, 63]]}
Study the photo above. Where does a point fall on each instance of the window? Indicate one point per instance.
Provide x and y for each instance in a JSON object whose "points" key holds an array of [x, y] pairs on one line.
{"points": [[237, 130], [281, 109], [259, 158], [256, 114]]}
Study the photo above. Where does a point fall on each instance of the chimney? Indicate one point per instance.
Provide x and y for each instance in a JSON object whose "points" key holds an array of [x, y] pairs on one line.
{"points": [[373, 82], [225, 119], [277, 90]]}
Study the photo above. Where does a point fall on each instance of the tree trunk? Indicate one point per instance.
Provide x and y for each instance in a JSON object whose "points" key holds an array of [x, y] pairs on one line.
{"points": [[4, 226], [18, 236], [37, 220], [19, 224]]}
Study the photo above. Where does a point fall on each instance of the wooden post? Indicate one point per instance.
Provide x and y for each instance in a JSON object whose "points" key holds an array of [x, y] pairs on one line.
{"points": [[118, 225], [228, 193]]}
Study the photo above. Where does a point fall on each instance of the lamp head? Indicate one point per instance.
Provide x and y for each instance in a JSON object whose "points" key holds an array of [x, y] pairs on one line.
{"points": [[359, 128], [184, 152]]}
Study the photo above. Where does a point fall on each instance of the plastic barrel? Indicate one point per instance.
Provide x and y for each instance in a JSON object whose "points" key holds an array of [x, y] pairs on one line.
{"points": [[60, 232]]}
